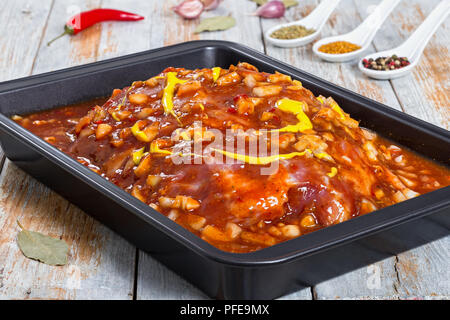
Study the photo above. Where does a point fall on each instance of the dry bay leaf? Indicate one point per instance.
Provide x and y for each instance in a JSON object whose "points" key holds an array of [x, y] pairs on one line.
{"points": [[290, 3], [35, 245], [215, 24], [287, 3]]}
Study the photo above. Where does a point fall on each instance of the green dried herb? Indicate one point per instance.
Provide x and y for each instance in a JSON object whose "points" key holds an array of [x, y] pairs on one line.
{"points": [[287, 3], [35, 245], [216, 24], [290, 3], [292, 32]]}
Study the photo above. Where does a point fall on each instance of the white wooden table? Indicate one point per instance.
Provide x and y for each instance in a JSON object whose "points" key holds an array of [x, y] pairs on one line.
{"points": [[102, 265]]}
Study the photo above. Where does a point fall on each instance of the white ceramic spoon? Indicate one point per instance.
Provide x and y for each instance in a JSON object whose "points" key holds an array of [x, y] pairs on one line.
{"points": [[361, 36], [413, 47], [315, 20]]}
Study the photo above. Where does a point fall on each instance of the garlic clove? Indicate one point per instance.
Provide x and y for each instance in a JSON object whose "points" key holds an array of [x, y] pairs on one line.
{"points": [[189, 9], [271, 9]]}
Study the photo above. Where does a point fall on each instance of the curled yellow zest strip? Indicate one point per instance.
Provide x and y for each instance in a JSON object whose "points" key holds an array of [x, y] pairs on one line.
{"points": [[167, 98], [140, 135], [125, 96], [333, 172], [137, 155], [297, 83], [115, 117], [216, 73], [154, 148], [322, 155], [295, 107], [261, 160], [338, 109]]}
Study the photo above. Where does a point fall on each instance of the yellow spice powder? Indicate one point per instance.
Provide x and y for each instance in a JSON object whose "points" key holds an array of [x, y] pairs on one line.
{"points": [[338, 47]]}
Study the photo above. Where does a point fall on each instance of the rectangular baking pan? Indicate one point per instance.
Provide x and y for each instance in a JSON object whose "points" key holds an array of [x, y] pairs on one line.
{"points": [[264, 274]]}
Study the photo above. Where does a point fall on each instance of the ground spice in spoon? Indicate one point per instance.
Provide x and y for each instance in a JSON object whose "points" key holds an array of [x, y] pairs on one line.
{"points": [[338, 47], [292, 32], [386, 63]]}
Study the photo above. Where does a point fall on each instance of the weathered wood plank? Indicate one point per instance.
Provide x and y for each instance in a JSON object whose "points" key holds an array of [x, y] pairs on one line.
{"points": [[168, 28], [356, 284], [155, 282], [20, 41], [101, 263], [424, 271], [25, 21], [120, 38], [425, 93], [67, 51]]}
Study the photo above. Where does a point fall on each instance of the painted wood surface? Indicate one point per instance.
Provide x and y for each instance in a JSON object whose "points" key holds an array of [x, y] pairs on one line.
{"points": [[103, 265], [424, 94]]}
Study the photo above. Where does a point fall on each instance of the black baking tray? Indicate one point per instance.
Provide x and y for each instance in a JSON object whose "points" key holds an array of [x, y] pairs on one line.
{"points": [[264, 274]]}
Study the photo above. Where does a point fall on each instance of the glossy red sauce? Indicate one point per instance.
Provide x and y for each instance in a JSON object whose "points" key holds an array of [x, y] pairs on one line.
{"points": [[339, 171]]}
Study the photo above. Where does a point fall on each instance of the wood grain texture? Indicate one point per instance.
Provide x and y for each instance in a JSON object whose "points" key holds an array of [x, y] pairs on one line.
{"points": [[100, 263], [425, 93], [67, 51], [168, 28], [25, 20], [155, 281], [120, 38], [20, 41], [423, 272]]}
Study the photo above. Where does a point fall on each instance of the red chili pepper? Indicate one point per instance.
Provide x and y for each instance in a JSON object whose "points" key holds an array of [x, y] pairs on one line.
{"points": [[232, 110], [85, 19]]}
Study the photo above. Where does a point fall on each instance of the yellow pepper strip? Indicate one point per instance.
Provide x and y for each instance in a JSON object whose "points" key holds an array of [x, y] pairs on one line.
{"points": [[185, 136], [125, 96], [167, 98], [216, 73], [297, 83], [137, 155], [333, 172], [295, 107], [154, 148], [140, 135], [202, 106], [261, 160], [320, 98], [115, 117], [338, 109], [322, 155]]}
